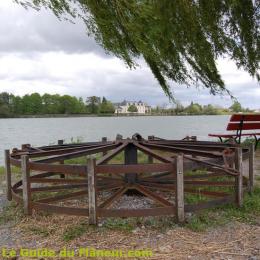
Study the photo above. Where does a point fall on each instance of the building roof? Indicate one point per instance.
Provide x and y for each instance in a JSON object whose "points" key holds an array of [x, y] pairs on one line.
{"points": [[125, 102]]}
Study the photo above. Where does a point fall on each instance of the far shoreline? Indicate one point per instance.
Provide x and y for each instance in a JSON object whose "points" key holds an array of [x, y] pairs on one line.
{"points": [[104, 115]]}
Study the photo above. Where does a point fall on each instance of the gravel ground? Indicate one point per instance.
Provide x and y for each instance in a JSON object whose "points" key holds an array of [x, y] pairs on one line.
{"points": [[133, 202], [3, 202]]}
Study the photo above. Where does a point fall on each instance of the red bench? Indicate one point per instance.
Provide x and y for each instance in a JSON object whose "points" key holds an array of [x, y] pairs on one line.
{"points": [[241, 123]]}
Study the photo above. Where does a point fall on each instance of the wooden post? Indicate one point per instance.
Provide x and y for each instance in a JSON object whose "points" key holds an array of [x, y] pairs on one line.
{"points": [[194, 138], [25, 146], [150, 159], [251, 167], [62, 176], [239, 178], [150, 137], [26, 185], [119, 137], [179, 189], [104, 140], [8, 173], [60, 142], [131, 158], [92, 196]]}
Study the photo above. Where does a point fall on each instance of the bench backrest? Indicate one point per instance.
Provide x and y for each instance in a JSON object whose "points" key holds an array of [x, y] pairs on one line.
{"points": [[240, 122]]}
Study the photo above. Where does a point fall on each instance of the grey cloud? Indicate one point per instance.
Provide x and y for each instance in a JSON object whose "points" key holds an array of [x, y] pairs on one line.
{"points": [[29, 31], [29, 34]]}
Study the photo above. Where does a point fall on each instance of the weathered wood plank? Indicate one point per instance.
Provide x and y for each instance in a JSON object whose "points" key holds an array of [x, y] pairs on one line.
{"points": [[179, 194], [26, 185], [239, 177], [131, 158], [251, 167], [104, 140], [8, 177], [62, 176], [92, 196]]}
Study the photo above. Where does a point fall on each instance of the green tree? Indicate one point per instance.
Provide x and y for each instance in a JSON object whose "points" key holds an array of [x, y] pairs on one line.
{"points": [[81, 106], [179, 108], [210, 110], [5, 98], [236, 107], [36, 103], [70, 105], [5, 104], [93, 103], [179, 40], [51, 104], [106, 107], [193, 109], [31, 104], [26, 105], [17, 105], [132, 109], [4, 111]]}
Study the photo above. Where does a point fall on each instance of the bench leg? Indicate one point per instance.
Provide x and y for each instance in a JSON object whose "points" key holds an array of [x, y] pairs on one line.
{"points": [[256, 141]]}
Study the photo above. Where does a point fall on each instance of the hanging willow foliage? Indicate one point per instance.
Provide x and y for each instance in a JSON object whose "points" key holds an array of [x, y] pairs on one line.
{"points": [[179, 39]]}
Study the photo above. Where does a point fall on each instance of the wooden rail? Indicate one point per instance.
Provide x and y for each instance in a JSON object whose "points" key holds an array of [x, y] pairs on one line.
{"points": [[161, 173]]}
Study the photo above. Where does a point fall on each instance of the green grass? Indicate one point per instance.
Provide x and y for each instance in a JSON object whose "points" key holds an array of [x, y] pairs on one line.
{"points": [[118, 159], [248, 213], [39, 231], [194, 198], [200, 221], [163, 223], [119, 224], [14, 169], [75, 231], [191, 198], [130, 224], [80, 160], [11, 212]]}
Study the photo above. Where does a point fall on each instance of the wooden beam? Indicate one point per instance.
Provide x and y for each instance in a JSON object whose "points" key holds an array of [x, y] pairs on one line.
{"points": [[251, 167], [179, 194], [239, 177], [104, 140], [27, 201], [92, 196], [8, 173], [131, 158], [111, 154], [60, 142], [153, 196], [113, 197], [152, 153], [62, 176]]}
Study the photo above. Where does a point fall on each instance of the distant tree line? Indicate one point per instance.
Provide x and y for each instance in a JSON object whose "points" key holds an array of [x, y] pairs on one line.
{"points": [[36, 104], [47, 104], [197, 109]]}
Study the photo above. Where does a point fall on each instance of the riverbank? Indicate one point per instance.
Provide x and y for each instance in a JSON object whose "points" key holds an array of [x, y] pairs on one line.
{"points": [[106, 115]]}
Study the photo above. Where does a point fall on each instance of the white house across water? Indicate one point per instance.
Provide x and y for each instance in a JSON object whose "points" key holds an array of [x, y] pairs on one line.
{"points": [[122, 108]]}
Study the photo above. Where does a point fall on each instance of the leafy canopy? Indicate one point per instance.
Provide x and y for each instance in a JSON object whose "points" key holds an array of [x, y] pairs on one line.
{"points": [[180, 40]]}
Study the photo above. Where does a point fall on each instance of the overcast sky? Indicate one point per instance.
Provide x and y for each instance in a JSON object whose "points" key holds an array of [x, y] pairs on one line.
{"points": [[39, 53]]}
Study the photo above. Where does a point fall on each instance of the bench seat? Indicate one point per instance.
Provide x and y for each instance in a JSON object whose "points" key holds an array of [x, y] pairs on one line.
{"points": [[231, 135], [241, 123]]}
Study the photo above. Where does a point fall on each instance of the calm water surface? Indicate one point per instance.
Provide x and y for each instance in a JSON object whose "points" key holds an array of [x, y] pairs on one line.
{"points": [[45, 131]]}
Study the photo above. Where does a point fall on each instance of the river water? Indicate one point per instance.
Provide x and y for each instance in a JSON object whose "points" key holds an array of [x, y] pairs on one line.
{"points": [[45, 131]]}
